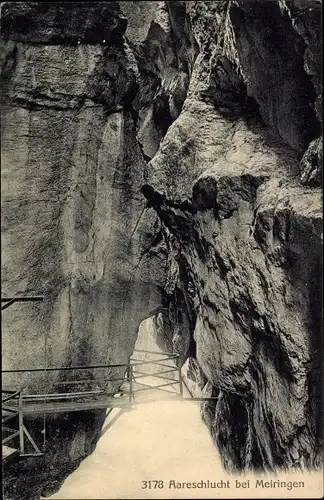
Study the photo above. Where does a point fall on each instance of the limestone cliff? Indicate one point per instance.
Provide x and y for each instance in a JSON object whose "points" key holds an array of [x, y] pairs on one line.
{"points": [[231, 183], [164, 158]]}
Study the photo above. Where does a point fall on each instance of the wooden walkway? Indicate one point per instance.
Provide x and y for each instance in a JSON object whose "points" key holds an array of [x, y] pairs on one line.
{"points": [[137, 387], [47, 407], [122, 402], [141, 393]]}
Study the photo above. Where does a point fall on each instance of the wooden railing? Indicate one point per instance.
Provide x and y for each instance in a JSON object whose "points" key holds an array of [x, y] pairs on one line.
{"points": [[131, 374], [8, 301], [158, 362], [9, 413]]}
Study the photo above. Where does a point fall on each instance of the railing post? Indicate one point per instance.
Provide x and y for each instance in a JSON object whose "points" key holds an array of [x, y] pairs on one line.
{"points": [[21, 424], [130, 374], [180, 379]]}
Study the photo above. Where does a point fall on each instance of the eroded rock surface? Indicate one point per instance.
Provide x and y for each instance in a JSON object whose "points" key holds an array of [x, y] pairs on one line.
{"points": [[246, 228], [164, 158]]}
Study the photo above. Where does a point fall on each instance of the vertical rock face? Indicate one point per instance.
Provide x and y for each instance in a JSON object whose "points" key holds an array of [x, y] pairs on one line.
{"points": [[75, 224], [225, 183], [165, 158], [72, 173]]}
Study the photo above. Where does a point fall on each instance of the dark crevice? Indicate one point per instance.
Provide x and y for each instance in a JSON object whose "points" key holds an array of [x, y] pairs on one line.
{"points": [[316, 372], [232, 425]]}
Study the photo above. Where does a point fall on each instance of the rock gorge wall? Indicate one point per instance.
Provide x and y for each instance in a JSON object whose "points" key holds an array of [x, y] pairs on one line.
{"points": [[240, 204], [74, 224], [164, 158]]}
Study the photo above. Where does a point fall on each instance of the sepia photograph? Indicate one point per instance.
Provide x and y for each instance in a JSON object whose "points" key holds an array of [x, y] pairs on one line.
{"points": [[161, 249]]}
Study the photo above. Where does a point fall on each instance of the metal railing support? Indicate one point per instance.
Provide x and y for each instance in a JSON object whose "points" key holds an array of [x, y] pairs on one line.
{"points": [[180, 380], [130, 380], [129, 376], [21, 424], [158, 353], [64, 368]]}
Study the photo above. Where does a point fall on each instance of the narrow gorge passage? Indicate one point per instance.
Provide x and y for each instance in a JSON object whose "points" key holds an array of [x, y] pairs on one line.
{"points": [[161, 440], [148, 451], [155, 441], [161, 169]]}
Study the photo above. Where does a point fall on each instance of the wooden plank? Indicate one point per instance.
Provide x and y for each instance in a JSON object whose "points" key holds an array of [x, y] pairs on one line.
{"points": [[67, 406]]}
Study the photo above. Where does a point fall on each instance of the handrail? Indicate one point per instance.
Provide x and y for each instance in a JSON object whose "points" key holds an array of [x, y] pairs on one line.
{"points": [[134, 362], [172, 354], [8, 301], [21, 424], [130, 366], [65, 368], [23, 299], [61, 395], [87, 381], [152, 362]]}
